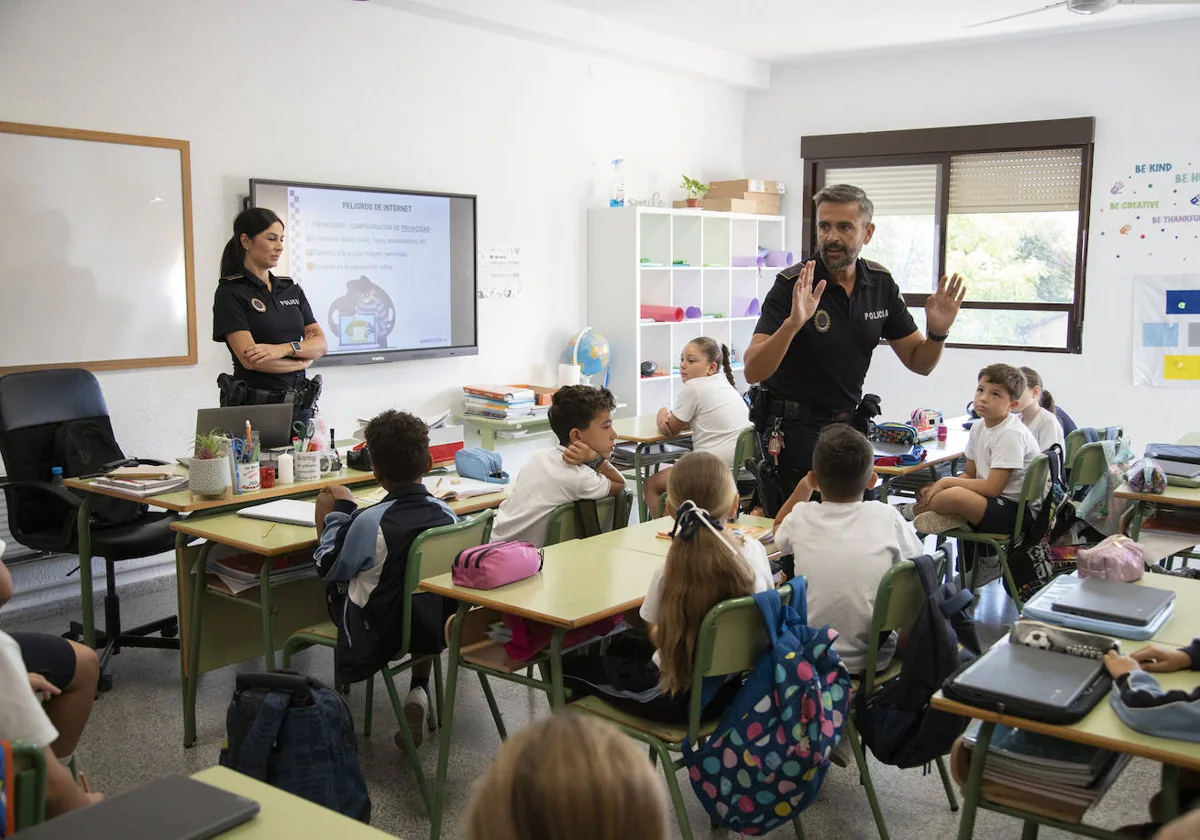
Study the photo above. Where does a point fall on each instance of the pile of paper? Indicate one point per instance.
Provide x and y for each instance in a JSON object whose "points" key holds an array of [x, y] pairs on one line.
{"points": [[241, 572]]}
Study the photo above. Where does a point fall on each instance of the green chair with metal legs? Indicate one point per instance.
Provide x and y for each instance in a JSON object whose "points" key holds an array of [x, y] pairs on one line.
{"points": [[731, 640], [1077, 440], [1033, 491], [898, 600], [746, 449], [431, 553], [26, 800]]}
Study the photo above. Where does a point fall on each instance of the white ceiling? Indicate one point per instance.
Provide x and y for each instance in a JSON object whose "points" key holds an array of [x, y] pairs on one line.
{"points": [[792, 30]]}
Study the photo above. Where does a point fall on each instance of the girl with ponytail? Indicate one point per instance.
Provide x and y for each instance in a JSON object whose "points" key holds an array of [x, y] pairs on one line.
{"points": [[708, 403]]}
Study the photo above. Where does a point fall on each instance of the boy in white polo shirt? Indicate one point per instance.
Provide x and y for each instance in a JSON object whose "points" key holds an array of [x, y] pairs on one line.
{"points": [[999, 450], [578, 468]]}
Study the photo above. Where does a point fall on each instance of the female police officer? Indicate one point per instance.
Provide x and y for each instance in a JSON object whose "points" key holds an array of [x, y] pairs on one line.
{"points": [[265, 320]]}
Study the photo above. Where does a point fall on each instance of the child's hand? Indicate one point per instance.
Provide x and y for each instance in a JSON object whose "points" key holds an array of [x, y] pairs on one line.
{"points": [[1118, 665], [1161, 660], [661, 420], [810, 481], [925, 494], [338, 491], [579, 453], [43, 688]]}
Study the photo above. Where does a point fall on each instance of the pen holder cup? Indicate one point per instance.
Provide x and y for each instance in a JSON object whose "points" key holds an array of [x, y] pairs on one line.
{"points": [[248, 477]]}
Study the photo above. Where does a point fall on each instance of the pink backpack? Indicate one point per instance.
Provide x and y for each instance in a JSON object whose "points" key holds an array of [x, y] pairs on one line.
{"points": [[1116, 558], [495, 564]]}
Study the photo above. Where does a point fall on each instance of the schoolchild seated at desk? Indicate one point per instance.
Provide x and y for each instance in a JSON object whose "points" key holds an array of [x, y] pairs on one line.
{"points": [[366, 588], [578, 468]]}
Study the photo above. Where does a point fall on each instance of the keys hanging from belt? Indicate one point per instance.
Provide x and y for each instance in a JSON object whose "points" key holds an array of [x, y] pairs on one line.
{"points": [[775, 441]]}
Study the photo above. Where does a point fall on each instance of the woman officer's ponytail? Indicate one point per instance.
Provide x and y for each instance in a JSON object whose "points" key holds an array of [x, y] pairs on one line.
{"points": [[251, 222]]}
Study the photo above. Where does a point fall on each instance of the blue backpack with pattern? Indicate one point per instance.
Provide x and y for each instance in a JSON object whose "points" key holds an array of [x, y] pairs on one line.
{"points": [[767, 758]]}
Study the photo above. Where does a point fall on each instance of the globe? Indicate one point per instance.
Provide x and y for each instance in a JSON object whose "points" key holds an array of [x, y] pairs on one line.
{"points": [[592, 352]]}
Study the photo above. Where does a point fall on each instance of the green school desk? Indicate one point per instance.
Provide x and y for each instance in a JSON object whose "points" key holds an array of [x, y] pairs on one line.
{"points": [[488, 426], [218, 628], [1184, 624], [1101, 728], [580, 582], [952, 449], [642, 431], [644, 536], [283, 815]]}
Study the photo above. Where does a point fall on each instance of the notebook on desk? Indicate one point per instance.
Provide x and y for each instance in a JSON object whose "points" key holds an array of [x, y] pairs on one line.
{"points": [[287, 511], [1182, 469], [1111, 600], [170, 808]]}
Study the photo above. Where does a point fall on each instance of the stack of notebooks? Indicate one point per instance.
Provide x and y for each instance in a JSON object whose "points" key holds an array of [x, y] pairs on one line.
{"points": [[501, 402], [240, 572], [1039, 773], [143, 481]]}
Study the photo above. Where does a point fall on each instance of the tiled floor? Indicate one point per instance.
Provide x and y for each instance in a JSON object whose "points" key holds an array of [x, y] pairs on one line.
{"points": [[136, 734]]}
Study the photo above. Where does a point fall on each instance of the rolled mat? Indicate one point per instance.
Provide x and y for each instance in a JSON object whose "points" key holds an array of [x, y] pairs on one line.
{"points": [[692, 312], [779, 259], [748, 262], [745, 307], [662, 313]]}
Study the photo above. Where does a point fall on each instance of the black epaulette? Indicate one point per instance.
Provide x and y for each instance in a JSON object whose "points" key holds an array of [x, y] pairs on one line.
{"points": [[876, 267], [232, 277], [792, 271], [283, 277]]}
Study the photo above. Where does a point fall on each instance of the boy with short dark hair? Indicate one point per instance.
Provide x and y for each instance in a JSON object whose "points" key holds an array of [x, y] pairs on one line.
{"points": [[843, 545], [578, 468], [999, 450], [366, 589]]}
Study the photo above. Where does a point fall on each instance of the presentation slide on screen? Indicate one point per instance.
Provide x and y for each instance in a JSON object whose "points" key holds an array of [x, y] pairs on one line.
{"points": [[376, 267]]}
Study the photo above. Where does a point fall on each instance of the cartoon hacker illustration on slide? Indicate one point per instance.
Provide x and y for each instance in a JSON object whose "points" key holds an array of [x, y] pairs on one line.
{"points": [[364, 316]]}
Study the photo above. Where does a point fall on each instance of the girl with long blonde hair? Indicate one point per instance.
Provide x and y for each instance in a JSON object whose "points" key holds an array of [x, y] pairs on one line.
{"points": [[708, 562]]}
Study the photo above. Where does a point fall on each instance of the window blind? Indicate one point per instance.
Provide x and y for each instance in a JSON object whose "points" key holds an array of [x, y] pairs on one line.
{"points": [[1016, 182], [894, 190]]}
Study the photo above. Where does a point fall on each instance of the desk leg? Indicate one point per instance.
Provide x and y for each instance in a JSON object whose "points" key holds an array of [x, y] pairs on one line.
{"points": [[447, 717], [884, 484], [191, 679], [268, 613], [637, 480], [966, 823], [558, 694], [1135, 522], [83, 541], [1170, 792]]}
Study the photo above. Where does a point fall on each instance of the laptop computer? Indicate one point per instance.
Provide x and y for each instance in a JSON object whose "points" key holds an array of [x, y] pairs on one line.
{"points": [[272, 422], [1012, 672], [173, 807], [1181, 469], [1112, 600]]}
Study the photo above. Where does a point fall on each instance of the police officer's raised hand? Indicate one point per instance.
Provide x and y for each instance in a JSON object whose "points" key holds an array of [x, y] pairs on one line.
{"points": [[804, 297], [941, 307]]}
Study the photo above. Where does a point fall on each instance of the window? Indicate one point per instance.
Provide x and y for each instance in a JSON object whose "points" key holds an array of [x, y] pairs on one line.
{"points": [[1004, 206]]}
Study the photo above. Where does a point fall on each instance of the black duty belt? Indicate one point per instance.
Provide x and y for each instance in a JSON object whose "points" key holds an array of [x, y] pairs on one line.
{"points": [[793, 410]]}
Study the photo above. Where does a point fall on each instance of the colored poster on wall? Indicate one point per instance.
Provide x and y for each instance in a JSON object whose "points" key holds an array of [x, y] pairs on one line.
{"points": [[1166, 331], [1152, 209]]}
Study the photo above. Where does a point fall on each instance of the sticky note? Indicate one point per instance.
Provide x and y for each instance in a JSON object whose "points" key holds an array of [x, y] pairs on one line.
{"points": [[1183, 302], [1156, 334], [1181, 367]]}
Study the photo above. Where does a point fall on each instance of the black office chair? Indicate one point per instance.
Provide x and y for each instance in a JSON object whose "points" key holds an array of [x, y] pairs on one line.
{"points": [[44, 516]]}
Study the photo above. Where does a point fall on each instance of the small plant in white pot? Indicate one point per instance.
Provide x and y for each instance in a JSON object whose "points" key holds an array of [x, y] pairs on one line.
{"points": [[208, 472], [695, 190]]}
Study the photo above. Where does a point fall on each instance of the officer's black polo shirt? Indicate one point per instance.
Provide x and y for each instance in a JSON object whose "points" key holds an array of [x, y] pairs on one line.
{"points": [[827, 361], [278, 316]]}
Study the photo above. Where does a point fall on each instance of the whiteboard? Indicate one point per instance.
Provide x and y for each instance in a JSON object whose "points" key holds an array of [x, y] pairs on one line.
{"points": [[96, 266]]}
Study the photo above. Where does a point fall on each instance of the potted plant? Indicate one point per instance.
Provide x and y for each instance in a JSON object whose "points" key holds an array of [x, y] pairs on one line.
{"points": [[208, 472], [695, 189]]}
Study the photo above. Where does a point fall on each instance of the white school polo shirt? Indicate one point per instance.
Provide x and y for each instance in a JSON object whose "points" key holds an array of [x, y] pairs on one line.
{"points": [[716, 412], [543, 484]]}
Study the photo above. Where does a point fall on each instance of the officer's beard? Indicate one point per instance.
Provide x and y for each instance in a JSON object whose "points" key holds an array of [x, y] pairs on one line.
{"points": [[837, 260]]}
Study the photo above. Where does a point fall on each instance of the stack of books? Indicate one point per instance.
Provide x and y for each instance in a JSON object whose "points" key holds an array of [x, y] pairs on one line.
{"points": [[501, 402], [236, 574], [1045, 774], [142, 481]]}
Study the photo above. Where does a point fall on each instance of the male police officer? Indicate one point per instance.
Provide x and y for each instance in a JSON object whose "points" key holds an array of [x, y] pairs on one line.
{"points": [[813, 343]]}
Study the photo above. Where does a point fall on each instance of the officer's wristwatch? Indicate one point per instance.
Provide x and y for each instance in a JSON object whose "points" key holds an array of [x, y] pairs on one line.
{"points": [[295, 348]]}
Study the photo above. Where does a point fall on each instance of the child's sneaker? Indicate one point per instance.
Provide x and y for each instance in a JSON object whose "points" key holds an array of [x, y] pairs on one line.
{"points": [[416, 712], [908, 510], [930, 522]]}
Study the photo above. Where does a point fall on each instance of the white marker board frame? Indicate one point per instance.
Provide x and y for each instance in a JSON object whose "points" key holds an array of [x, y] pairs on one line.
{"points": [[127, 154]]}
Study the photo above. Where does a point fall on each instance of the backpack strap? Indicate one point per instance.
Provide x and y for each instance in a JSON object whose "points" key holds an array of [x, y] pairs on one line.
{"points": [[1111, 433], [771, 606], [1089, 435], [927, 573], [262, 735], [588, 516], [622, 507]]}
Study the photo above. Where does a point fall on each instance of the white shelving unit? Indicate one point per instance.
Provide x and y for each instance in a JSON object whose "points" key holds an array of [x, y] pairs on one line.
{"points": [[631, 252]]}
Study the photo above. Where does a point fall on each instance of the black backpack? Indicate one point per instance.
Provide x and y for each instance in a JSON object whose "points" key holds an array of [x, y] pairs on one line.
{"points": [[87, 448], [292, 732], [896, 721], [1032, 562]]}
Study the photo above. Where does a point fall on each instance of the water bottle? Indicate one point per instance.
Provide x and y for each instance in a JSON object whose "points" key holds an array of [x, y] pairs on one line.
{"points": [[56, 476], [616, 187]]}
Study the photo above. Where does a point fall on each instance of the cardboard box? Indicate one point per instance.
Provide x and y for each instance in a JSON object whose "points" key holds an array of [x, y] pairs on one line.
{"points": [[757, 197], [541, 394], [724, 205], [748, 185]]}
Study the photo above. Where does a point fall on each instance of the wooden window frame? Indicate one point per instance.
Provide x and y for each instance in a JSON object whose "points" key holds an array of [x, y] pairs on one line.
{"points": [[938, 146]]}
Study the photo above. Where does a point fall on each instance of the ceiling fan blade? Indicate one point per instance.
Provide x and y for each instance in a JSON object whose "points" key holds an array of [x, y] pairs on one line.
{"points": [[1023, 14]]}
